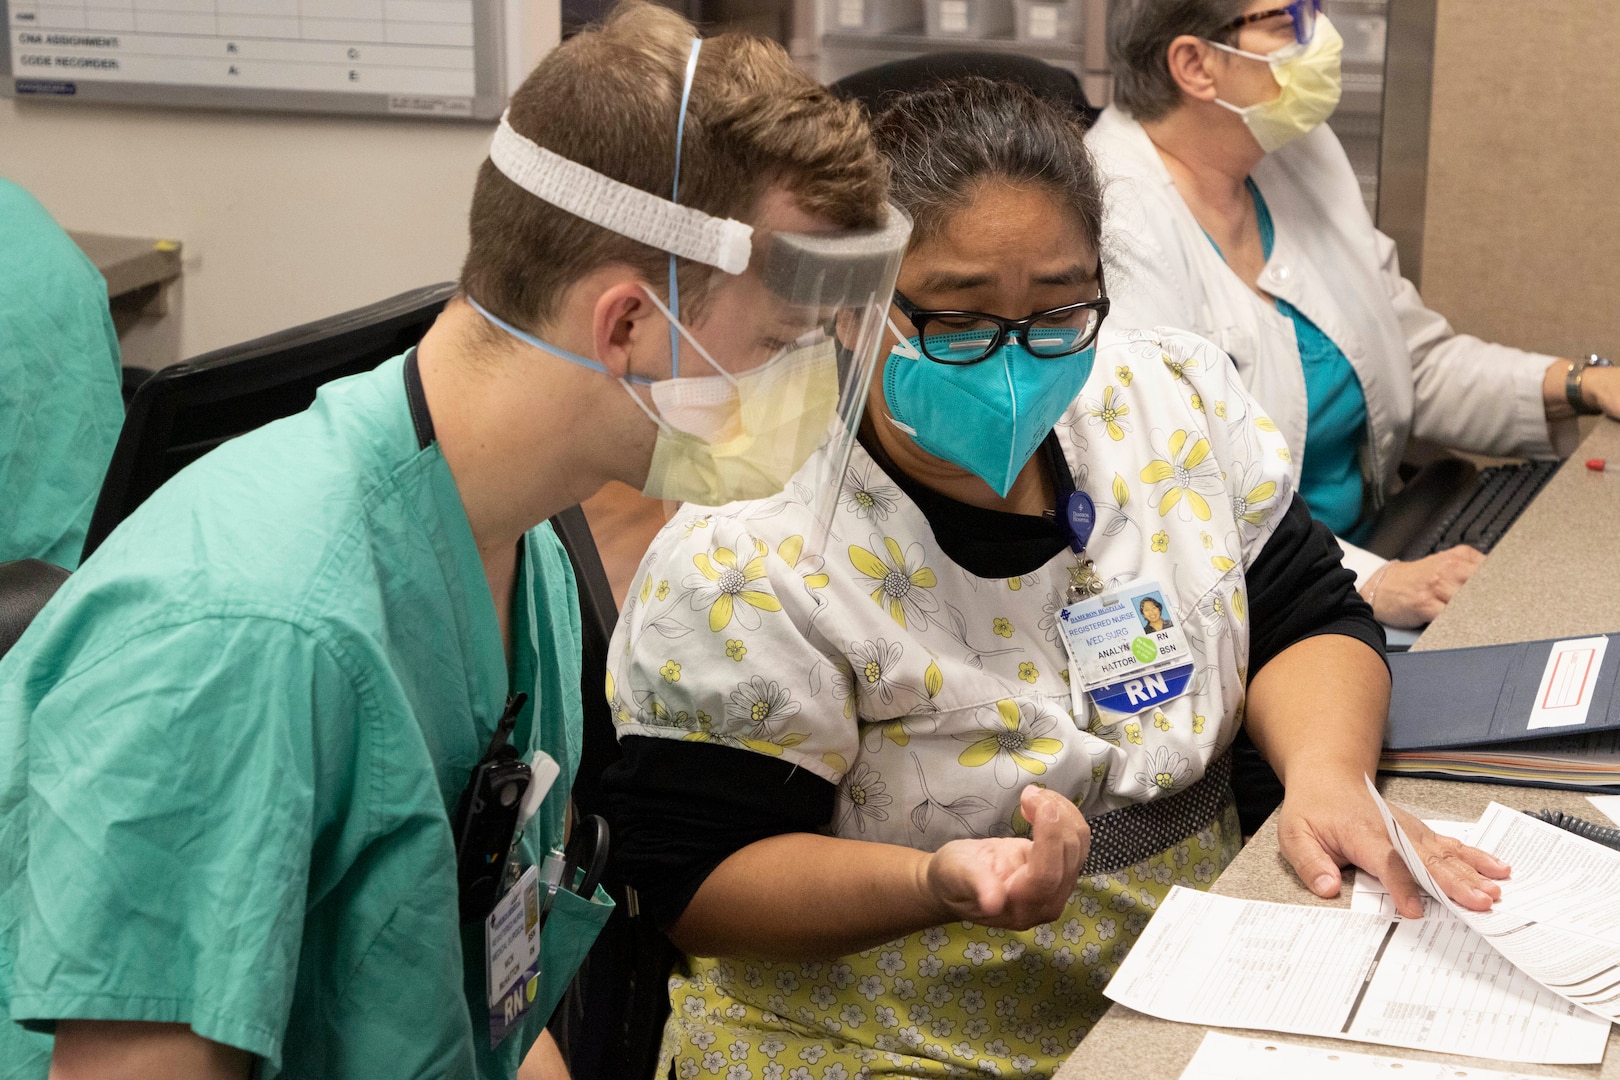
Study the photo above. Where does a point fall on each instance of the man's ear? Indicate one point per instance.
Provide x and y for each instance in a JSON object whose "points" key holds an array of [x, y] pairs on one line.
{"points": [[626, 327], [1190, 63]]}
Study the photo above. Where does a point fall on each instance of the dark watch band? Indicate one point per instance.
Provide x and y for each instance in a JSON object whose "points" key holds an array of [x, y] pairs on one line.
{"points": [[1572, 383]]}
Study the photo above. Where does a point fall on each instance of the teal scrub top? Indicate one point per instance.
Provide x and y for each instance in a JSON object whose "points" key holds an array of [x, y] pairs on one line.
{"points": [[1336, 412], [230, 745], [61, 386]]}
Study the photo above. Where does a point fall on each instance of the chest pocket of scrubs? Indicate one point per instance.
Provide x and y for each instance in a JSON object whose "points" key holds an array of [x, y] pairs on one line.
{"points": [[571, 929]]}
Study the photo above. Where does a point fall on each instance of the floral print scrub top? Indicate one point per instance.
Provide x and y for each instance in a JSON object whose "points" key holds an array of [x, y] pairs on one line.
{"points": [[931, 697]]}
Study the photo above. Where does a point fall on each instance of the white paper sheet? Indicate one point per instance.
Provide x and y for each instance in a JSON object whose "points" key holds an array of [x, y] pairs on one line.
{"points": [[1568, 683], [1557, 920], [1228, 1057], [1423, 984], [1608, 806]]}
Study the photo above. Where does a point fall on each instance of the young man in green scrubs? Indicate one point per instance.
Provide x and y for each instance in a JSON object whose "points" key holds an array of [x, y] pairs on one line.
{"points": [[230, 748], [61, 398]]}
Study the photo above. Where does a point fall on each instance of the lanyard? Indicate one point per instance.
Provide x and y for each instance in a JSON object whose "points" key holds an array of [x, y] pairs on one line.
{"points": [[416, 398], [1076, 517]]}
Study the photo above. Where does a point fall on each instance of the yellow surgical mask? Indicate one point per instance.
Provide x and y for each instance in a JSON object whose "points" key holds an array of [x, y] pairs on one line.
{"points": [[723, 437], [1310, 82], [780, 415]]}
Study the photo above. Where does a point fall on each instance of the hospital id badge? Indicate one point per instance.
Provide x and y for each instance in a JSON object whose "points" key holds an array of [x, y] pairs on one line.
{"points": [[512, 955], [1127, 647]]}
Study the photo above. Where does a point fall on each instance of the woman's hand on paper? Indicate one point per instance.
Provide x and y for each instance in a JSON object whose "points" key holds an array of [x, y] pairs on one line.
{"points": [[1012, 882], [1322, 827]]}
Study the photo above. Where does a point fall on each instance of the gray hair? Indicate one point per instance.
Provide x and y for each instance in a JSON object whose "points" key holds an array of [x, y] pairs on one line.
{"points": [[1139, 37], [942, 141]]}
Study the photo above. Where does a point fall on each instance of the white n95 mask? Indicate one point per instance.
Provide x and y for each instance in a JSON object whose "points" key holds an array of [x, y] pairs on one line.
{"points": [[1310, 80]]}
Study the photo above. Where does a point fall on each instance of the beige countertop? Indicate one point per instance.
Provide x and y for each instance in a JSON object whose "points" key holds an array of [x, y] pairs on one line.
{"points": [[1555, 574], [1557, 571], [130, 263]]}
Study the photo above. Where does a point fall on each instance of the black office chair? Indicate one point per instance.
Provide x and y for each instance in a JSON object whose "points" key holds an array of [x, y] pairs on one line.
{"points": [[180, 413], [26, 586], [872, 85], [610, 1022]]}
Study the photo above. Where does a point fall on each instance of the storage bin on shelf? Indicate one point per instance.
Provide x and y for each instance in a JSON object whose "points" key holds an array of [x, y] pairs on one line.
{"points": [[968, 18], [1055, 21], [870, 16]]}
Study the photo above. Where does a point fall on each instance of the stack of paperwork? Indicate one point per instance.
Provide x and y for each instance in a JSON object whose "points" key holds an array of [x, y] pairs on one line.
{"points": [[1535, 979], [1542, 713]]}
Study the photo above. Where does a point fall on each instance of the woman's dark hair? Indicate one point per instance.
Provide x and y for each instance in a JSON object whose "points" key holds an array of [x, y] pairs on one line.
{"points": [[943, 141]]}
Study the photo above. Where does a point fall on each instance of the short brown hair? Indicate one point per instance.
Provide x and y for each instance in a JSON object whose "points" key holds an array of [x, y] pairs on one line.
{"points": [[609, 98], [1139, 37]]}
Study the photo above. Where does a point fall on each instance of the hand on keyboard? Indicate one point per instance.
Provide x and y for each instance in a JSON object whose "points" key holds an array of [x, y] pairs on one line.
{"points": [[1413, 593]]}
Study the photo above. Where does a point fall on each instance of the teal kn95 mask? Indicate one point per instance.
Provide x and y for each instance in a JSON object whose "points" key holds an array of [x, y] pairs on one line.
{"points": [[988, 417]]}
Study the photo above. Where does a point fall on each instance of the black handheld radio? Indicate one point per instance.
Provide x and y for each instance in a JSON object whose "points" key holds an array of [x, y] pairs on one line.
{"points": [[486, 818]]}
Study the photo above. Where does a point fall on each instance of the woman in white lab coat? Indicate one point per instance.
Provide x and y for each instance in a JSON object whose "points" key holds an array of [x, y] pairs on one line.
{"points": [[1239, 217]]}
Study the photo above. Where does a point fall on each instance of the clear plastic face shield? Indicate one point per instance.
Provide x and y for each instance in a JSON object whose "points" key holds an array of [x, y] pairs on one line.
{"points": [[766, 387], [791, 349]]}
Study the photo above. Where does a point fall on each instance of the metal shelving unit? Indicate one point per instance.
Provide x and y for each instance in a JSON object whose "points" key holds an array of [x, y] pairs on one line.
{"points": [[840, 52], [1359, 121]]}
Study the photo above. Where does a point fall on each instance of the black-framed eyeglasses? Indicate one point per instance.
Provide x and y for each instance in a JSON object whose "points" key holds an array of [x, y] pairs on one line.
{"points": [[1302, 12], [966, 337]]}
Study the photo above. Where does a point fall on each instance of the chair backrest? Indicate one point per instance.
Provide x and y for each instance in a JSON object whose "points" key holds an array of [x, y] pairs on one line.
{"points": [[610, 1022], [25, 587], [872, 85], [183, 411]]}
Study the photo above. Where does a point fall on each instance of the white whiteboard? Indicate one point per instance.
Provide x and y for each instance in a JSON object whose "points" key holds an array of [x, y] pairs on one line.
{"points": [[453, 59]]}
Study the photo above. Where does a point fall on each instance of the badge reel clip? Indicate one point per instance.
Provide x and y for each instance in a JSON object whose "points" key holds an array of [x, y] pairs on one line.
{"points": [[487, 818], [1077, 517]]}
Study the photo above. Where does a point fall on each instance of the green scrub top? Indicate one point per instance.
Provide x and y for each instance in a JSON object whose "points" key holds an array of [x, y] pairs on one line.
{"points": [[230, 745], [61, 386]]}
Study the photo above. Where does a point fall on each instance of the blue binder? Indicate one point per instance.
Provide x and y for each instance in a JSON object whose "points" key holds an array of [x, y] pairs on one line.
{"points": [[1481, 696]]}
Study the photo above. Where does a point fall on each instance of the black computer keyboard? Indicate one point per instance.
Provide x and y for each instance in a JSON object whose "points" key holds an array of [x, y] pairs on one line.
{"points": [[1482, 512]]}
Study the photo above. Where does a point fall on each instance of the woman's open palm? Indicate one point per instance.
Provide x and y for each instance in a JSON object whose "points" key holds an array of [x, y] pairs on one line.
{"points": [[1013, 882]]}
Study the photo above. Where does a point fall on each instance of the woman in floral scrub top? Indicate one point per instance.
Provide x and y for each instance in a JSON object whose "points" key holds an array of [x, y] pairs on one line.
{"points": [[857, 783]]}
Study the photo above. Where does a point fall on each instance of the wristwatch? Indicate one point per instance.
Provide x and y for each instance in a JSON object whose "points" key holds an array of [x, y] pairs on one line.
{"points": [[1572, 383]]}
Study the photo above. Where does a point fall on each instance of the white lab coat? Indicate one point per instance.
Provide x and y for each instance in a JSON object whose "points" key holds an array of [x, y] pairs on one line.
{"points": [[1420, 377]]}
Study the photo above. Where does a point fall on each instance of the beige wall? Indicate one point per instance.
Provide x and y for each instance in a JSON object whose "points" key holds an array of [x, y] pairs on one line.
{"points": [[1521, 238], [284, 218]]}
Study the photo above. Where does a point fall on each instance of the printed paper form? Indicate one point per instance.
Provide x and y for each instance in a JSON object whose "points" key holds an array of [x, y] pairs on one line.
{"points": [[1428, 985], [1228, 1057], [1557, 920], [1568, 683]]}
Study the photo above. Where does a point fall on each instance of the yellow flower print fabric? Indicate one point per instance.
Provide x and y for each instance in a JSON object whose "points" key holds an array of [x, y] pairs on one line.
{"points": [[951, 1000], [875, 648], [931, 697]]}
